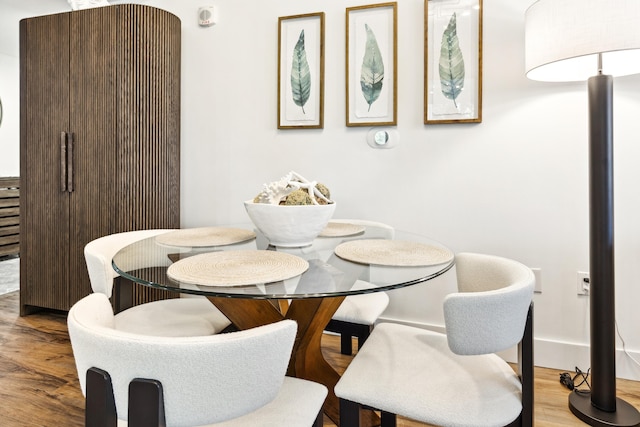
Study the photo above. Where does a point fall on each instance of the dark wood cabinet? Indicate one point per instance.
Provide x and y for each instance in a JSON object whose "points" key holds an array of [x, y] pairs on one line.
{"points": [[99, 139]]}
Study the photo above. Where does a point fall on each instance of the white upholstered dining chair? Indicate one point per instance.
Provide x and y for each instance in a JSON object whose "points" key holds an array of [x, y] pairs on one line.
{"points": [[191, 316], [357, 314], [227, 380], [453, 379]]}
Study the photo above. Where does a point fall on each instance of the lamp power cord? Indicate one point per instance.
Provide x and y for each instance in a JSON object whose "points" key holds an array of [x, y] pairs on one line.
{"points": [[573, 382], [624, 346], [569, 381]]}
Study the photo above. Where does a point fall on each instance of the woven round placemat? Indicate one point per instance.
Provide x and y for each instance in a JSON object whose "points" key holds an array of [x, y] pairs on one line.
{"points": [[235, 268], [397, 253], [205, 236], [341, 229]]}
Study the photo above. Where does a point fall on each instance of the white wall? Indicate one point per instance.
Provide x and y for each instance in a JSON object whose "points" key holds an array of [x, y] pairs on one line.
{"points": [[514, 185]]}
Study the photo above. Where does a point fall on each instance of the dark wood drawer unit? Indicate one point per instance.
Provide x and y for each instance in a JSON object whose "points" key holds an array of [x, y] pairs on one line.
{"points": [[9, 216]]}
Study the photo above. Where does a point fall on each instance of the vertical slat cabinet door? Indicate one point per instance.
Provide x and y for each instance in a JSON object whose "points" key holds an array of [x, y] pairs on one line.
{"points": [[44, 202], [148, 118], [93, 94], [148, 124]]}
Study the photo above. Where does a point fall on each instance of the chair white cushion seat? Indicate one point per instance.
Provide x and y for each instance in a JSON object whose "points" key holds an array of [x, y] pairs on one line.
{"points": [[294, 406], [177, 317], [412, 372], [362, 309]]}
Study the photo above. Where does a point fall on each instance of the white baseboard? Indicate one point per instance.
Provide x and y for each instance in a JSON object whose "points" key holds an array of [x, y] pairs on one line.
{"points": [[555, 354]]}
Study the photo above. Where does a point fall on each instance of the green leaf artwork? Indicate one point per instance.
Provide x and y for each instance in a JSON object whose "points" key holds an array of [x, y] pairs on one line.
{"points": [[300, 74], [451, 63], [372, 72]]}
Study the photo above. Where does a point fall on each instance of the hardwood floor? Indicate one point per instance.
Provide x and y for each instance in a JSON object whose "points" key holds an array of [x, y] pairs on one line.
{"points": [[38, 381], [39, 385]]}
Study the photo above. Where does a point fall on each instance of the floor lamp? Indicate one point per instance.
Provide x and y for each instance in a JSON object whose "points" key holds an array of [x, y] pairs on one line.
{"points": [[593, 40]]}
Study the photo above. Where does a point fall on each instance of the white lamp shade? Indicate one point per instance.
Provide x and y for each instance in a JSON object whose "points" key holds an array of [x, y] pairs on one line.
{"points": [[564, 37]]}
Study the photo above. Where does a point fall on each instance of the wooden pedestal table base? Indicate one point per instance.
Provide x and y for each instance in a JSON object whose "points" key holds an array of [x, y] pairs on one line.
{"points": [[307, 361]]}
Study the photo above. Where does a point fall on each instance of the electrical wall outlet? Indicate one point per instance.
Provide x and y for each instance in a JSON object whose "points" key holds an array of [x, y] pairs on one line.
{"points": [[538, 273], [583, 283]]}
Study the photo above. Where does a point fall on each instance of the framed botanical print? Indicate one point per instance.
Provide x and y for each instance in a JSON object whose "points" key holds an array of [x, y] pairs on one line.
{"points": [[301, 71], [371, 65]]}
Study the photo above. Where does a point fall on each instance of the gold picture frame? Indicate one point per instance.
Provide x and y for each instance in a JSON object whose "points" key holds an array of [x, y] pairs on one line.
{"points": [[371, 65], [301, 71], [452, 61]]}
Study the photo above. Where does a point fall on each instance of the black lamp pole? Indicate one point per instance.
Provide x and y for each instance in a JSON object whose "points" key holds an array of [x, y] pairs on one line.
{"points": [[601, 407]]}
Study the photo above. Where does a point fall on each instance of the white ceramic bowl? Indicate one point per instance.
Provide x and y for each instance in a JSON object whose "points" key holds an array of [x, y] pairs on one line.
{"points": [[289, 226]]}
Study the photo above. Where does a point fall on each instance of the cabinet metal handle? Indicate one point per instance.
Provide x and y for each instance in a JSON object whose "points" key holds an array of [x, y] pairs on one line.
{"points": [[70, 162], [63, 161]]}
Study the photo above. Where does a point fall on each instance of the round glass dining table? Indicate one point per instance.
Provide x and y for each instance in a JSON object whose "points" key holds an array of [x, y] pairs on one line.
{"points": [[306, 284]]}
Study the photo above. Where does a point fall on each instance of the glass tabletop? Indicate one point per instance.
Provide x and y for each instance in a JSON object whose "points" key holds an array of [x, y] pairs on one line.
{"points": [[149, 262]]}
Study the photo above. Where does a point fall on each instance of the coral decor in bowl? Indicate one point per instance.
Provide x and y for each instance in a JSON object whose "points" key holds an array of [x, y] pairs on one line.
{"points": [[289, 226], [292, 211]]}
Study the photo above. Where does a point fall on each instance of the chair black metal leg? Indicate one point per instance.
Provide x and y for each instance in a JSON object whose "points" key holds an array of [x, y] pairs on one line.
{"points": [[122, 294], [100, 405], [347, 330], [526, 370], [346, 344], [349, 413], [146, 403], [387, 419]]}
